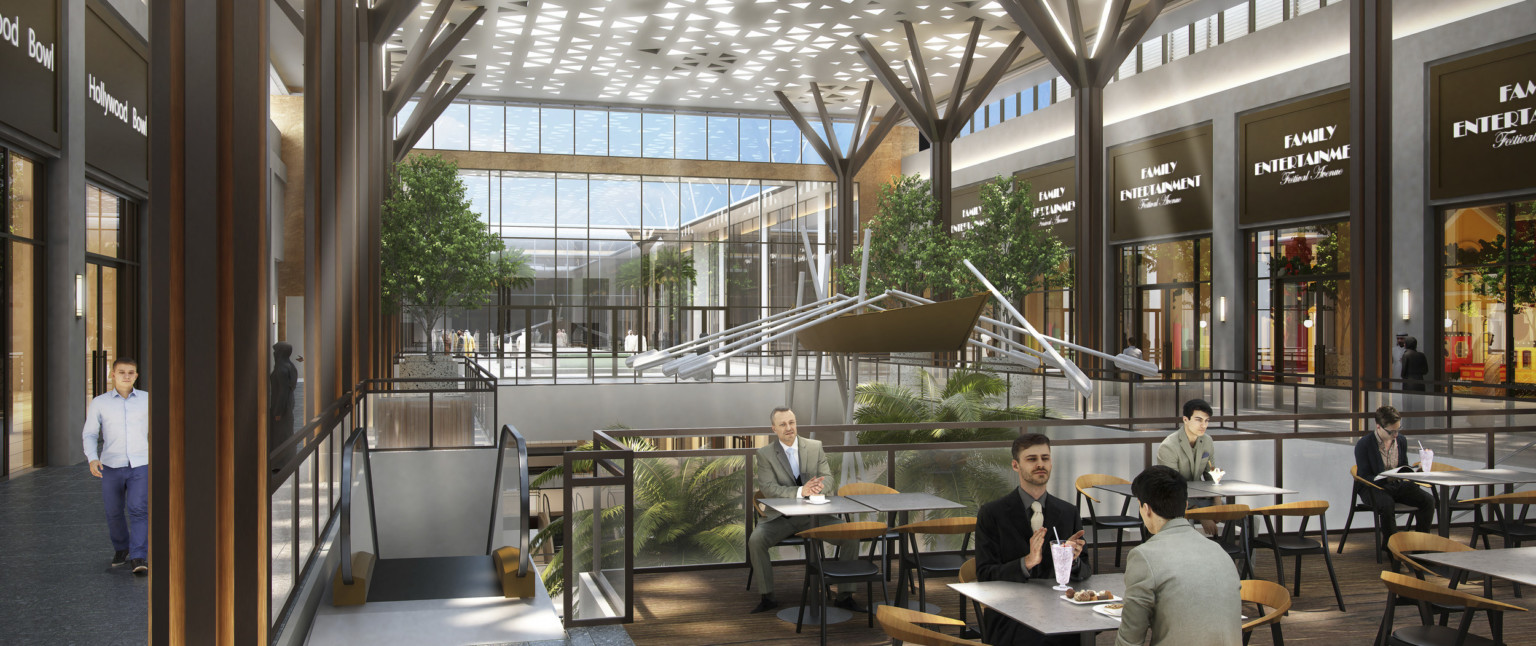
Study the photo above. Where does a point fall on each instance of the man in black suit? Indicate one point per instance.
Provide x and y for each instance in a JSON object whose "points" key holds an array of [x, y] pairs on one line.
{"points": [[1415, 366], [1013, 536], [1380, 450]]}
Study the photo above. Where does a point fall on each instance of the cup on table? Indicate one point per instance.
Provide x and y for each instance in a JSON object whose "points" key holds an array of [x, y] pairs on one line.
{"points": [[1216, 475], [1426, 460], [1061, 558], [817, 499]]}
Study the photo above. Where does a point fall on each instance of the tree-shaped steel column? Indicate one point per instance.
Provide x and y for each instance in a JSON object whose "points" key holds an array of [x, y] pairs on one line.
{"points": [[1088, 67], [844, 166], [939, 128]]}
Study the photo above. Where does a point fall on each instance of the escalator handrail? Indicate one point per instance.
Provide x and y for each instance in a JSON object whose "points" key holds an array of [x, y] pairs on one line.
{"points": [[524, 563], [358, 440]]}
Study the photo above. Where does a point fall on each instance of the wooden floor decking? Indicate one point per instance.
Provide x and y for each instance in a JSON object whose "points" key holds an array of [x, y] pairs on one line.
{"points": [[712, 607]]}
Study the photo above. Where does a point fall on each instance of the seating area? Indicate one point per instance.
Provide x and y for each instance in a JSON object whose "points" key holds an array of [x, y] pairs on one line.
{"points": [[672, 613]]}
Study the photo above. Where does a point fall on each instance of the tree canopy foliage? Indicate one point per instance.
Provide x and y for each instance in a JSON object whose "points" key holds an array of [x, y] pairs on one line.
{"points": [[435, 252]]}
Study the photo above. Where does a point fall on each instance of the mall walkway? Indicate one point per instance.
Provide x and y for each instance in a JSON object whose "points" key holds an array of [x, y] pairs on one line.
{"points": [[55, 558]]}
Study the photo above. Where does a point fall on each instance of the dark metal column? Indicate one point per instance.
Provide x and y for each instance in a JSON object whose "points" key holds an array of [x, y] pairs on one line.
{"points": [[63, 227], [208, 302], [1370, 195], [1090, 305]]}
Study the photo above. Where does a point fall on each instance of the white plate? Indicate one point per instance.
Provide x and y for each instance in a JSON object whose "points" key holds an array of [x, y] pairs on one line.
{"points": [[813, 501], [1089, 603], [1108, 612]]}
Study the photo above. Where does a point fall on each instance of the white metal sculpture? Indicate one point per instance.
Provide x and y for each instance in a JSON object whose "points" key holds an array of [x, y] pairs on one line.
{"points": [[696, 359]]}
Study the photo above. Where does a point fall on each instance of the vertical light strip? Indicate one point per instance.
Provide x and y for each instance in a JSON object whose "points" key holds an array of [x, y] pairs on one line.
{"points": [[1405, 303]]}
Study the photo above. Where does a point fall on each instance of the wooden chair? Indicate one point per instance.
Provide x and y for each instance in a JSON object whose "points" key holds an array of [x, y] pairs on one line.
{"points": [[968, 575], [1357, 503], [1094, 521], [828, 572], [1514, 530], [935, 564], [1297, 544], [901, 625], [1265, 594], [1230, 540], [1404, 586], [1403, 545], [890, 537], [757, 512]]}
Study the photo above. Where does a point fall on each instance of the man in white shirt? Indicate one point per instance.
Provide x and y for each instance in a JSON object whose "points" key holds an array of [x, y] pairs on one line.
{"points": [[119, 420]]}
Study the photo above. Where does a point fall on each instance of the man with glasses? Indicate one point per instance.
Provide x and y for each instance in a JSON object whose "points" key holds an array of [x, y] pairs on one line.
{"points": [[1191, 452], [1382, 450]]}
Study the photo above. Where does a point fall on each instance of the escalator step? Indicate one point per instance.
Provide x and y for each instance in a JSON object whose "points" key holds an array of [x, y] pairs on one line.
{"points": [[443, 577]]}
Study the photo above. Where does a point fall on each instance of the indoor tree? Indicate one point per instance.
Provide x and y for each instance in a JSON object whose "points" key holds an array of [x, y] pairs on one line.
{"points": [[1009, 246], [910, 250], [666, 270], [434, 251]]}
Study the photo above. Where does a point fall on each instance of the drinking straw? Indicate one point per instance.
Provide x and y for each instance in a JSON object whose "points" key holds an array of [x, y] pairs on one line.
{"points": [[1058, 534]]}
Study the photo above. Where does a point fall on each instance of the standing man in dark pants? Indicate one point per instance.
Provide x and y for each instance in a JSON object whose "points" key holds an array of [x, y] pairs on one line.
{"points": [[119, 419], [1415, 365], [1380, 450]]}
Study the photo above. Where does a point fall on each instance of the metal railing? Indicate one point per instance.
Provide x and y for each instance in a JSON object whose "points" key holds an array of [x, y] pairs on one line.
{"points": [[357, 441]]}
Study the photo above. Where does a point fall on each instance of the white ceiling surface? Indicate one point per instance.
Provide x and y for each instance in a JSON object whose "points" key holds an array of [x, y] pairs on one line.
{"points": [[715, 54]]}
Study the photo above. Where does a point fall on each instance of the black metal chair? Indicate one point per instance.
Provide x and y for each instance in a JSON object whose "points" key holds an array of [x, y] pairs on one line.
{"points": [[1357, 502], [757, 510], [832, 572], [1427, 634], [1235, 543], [934, 564], [1297, 544], [1094, 521]]}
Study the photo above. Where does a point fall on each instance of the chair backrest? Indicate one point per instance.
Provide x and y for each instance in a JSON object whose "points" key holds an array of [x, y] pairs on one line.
{"points": [[864, 489], [1406, 586], [901, 624], [1516, 498], [956, 525], [1218, 513], [1403, 545], [1091, 480], [756, 505], [1268, 595], [1302, 508], [968, 571], [1354, 472], [845, 531]]}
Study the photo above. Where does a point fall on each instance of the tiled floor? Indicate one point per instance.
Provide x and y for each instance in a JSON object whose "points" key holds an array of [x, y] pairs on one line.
{"points": [[55, 556]]}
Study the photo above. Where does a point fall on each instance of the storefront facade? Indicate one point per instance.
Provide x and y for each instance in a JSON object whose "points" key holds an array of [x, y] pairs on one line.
{"points": [[74, 143]]}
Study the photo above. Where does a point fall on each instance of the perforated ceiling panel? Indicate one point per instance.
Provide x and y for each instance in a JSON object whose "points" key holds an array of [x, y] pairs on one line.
{"points": [[720, 54]]}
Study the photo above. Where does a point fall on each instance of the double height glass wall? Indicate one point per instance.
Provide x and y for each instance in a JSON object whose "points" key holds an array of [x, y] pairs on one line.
{"points": [[1489, 274], [624, 263], [613, 132], [111, 282], [20, 253]]}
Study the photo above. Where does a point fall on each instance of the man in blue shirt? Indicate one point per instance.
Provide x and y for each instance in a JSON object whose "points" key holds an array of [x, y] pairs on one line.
{"points": [[119, 420]]}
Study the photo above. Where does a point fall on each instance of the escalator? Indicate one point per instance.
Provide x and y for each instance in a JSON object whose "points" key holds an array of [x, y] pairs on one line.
{"points": [[419, 563]]}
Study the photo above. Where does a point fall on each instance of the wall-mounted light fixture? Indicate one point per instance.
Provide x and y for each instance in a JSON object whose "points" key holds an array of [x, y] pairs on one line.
{"points": [[1221, 309], [1448, 320], [1405, 300], [79, 295]]}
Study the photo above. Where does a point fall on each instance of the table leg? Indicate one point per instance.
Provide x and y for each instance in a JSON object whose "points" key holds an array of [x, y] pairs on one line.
{"points": [[1443, 501], [1087, 638], [812, 614]]}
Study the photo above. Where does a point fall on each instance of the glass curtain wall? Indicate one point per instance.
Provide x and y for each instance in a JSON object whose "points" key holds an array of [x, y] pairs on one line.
{"points": [[111, 278], [662, 259], [1489, 275], [19, 256], [1299, 294], [1165, 302], [1055, 308]]}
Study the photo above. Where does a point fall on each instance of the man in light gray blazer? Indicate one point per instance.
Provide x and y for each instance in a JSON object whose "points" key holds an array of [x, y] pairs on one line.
{"points": [[1181, 588], [790, 467]]}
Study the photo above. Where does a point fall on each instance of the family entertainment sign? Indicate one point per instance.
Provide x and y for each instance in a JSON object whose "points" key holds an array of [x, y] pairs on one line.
{"points": [[1161, 185], [1483, 123], [1295, 159]]}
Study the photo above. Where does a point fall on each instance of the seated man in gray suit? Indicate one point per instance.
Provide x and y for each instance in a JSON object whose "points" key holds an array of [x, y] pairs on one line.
{"points": [[1181, 588], [792, 467]]}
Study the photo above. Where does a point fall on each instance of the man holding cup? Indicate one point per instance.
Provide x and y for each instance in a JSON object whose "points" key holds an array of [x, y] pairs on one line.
{"points": [[791, 467], [1382, 450], [1014, 535]]}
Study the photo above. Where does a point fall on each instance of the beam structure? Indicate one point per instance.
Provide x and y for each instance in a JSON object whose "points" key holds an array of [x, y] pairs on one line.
{"points": [[844, 166], [386, 16], [439, 95], [1370, 194], [429, 51], [939, 125], [1087, 55], [208, 310]]}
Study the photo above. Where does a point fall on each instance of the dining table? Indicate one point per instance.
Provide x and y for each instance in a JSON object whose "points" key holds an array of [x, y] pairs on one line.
{"points": [[834, 505], [903, 504], [1045, 610]]}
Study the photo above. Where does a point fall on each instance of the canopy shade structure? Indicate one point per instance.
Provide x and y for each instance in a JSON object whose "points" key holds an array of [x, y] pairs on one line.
{"points": [[939, 327]]}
